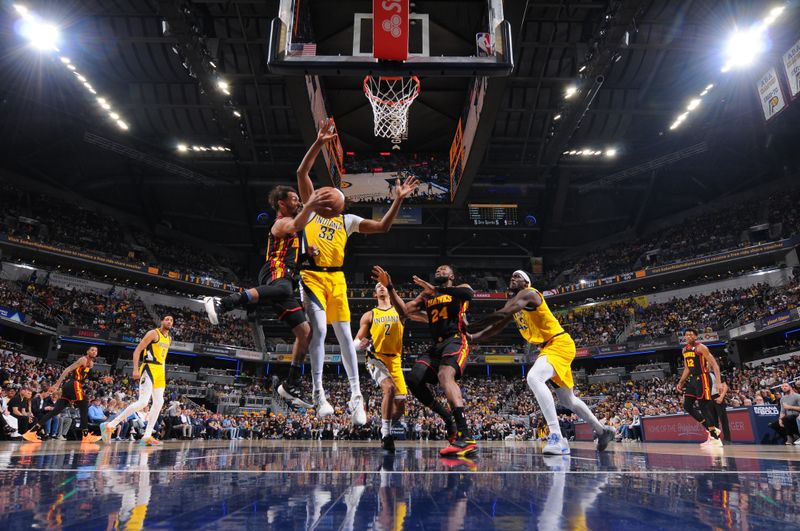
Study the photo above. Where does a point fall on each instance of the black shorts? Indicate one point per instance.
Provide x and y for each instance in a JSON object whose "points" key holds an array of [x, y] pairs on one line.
{"points": [[451, 352], [287, 308], [698, 387], [72, 391]]}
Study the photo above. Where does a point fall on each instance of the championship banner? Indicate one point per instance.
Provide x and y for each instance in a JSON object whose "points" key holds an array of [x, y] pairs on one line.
{"points": [[390, 29], [791, 62], [770, 94]]}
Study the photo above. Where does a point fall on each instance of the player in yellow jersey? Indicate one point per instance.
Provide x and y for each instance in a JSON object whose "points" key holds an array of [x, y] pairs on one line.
{"points": [[381, 333], [152, 381], [322, 283], [538, 325]]}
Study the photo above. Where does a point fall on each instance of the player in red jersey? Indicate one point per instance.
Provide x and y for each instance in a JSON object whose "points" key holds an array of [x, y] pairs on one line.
{"points": [[696, 385], [72, 393], [278, 280]]}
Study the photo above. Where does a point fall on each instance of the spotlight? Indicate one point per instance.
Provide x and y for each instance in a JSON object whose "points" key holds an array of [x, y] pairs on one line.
{"points": [[611, 152], [71, 67], [571, 90], [565, 153], [80, 77], [556, 117], [65, 60], [195, 148], [41, 35], [693, 104], [223, 86], [114, 116], [237, 114], [213, 65], [122, 125], [581, 69], [743, 47], [105, 106], [22, 10], [182, 148], [674, 125], [773, 15], [710, 86]]}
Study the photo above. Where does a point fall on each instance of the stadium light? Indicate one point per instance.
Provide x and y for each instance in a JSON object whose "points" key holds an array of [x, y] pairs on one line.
{"points": [[183, 148], [611, 152], [65, 60], [773, 15], [113, 116], [743, 47], [237, 114], [695, 103], [122, 125], [570, 91], [41, 35], [224, 87]]}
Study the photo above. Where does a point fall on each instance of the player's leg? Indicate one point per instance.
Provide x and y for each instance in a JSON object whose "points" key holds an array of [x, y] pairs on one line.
{"points": [[152, 416], [464, 443], [290, 312], [338, 311], [567, 398], [83, 409], [540, 373], [421, 375], [387, 406], [690, 406], [145, 392], [267, 291], [31, 434]]}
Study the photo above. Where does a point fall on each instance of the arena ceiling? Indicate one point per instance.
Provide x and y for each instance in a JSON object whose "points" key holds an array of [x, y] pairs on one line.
{"points": [[53, 133]]}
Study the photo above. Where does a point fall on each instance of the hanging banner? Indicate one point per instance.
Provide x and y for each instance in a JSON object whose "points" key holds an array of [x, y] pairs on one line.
{"points": [[770, 94], [390, 29], [791, 62]]}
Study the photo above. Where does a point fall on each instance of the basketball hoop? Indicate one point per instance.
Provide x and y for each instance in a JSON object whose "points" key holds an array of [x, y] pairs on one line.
{"points": [[390, 98]]}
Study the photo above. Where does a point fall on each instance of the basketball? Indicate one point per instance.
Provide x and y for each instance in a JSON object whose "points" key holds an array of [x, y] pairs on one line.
{"points": [[336, 198]]}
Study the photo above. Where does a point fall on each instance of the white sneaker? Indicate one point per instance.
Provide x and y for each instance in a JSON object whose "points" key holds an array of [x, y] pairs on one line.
{"points": [[556, 445], [797, 442], [211, 305], [321, 404], [358, 416]]}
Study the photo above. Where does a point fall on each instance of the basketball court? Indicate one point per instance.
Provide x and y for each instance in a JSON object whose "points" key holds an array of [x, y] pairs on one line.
{"points": [[353, 485]]}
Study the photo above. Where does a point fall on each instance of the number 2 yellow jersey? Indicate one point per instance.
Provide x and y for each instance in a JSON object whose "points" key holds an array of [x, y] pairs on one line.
{"points": [[386, 331]]}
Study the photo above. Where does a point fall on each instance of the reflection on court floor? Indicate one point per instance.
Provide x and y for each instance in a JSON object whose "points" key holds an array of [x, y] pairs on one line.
{"points": [[354, 485]]}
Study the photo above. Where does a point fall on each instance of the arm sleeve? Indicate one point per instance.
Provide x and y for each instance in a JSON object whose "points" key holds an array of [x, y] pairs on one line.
{"points": [[351, 223], [465, 294]]}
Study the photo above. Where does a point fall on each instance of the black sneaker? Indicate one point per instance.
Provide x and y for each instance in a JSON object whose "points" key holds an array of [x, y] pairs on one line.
{"points": [[294, 395], [452, 431], [388, 443], [604, 438]]}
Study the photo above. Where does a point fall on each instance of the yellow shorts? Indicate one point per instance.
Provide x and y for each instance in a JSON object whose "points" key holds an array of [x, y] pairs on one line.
{"points": [[156, 373], [382, 366], [560, 351], [327, 291]]}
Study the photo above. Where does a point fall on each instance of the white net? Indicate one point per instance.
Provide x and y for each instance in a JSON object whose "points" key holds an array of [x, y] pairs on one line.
{"points": [[390, 98]]}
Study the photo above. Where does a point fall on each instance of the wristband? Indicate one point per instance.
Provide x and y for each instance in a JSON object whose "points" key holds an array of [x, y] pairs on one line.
{"points": [[390, 287]]}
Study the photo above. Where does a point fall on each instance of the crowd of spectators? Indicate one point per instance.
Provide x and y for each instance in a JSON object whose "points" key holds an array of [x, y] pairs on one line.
{"points": [[707, 233], [194, 327], [31, 216]]}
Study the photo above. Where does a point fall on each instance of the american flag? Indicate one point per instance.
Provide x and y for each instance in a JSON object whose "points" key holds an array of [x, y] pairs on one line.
{"points": [[303, 48]]}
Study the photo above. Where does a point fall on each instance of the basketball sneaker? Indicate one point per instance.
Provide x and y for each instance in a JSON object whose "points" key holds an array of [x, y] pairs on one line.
{"points": [[150, 441], [452, 431], [294, 395], [358, 415], [90, 438], [387, 443], [711, 442], [106, 432], [461, 447], [321, 404], [556, 445], [213, 309], [604, 438], [31, 436]]}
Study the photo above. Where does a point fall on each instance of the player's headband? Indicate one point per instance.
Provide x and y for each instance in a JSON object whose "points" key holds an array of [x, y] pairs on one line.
{"points": [[523, 274]]}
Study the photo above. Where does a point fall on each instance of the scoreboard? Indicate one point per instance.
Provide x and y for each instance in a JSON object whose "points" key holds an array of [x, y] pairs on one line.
{"points": [[489, 214]]}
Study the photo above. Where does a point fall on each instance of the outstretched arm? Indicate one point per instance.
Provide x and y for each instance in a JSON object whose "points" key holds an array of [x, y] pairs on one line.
{"points": [[285, 226], [304, 185], [410, 310], [527, 298], [370, 226]]}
